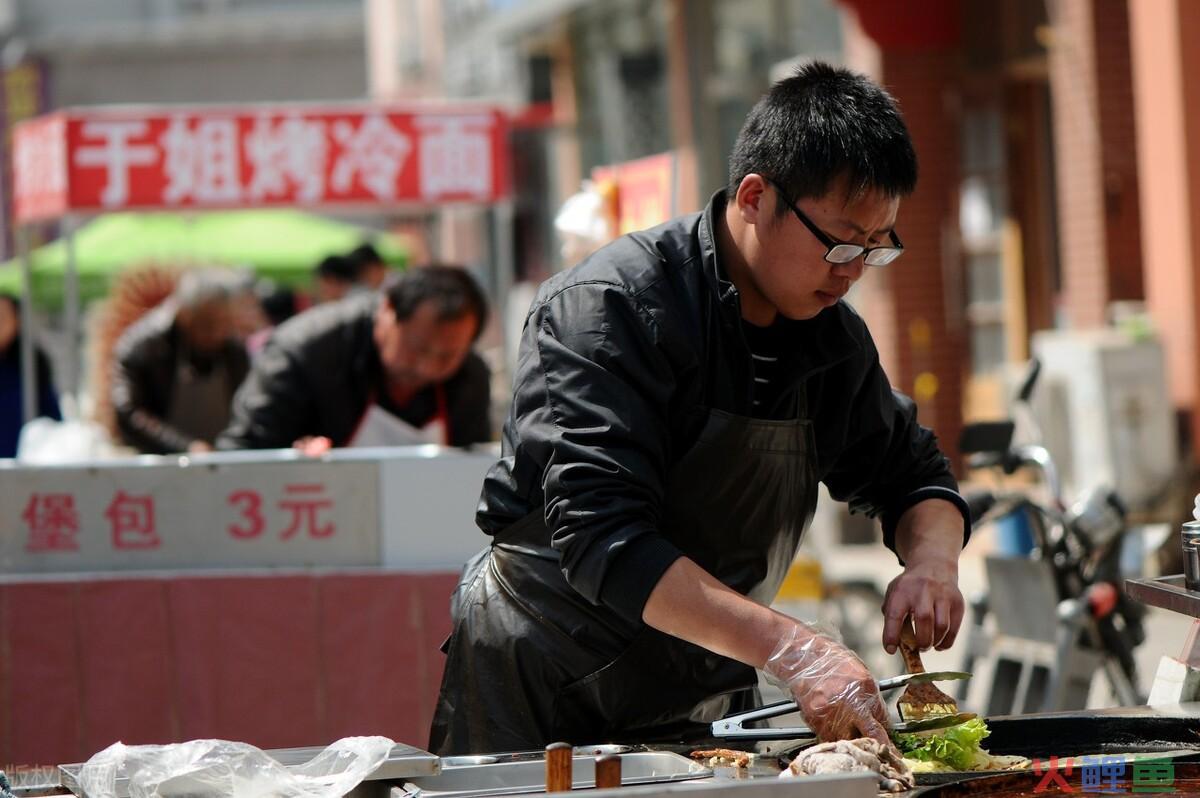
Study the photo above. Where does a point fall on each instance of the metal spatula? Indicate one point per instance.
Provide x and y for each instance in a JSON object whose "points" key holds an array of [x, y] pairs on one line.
{"points": [[920, 699], [737, 726]]}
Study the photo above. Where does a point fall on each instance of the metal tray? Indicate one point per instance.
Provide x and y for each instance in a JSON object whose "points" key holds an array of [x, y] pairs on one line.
{"points": [[1167, 592], [403, 762], [518, 776], [538, 754]]}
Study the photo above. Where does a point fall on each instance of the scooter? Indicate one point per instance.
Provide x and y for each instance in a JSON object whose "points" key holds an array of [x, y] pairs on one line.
{"points": [[1081, 544]]}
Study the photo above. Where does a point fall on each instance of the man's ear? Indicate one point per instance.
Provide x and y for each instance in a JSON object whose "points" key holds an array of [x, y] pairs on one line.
{"points": [[385, 313], [751, 198]]}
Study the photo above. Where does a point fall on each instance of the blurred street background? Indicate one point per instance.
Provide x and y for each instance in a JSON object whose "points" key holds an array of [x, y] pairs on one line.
{"points": [[1055, 219]]}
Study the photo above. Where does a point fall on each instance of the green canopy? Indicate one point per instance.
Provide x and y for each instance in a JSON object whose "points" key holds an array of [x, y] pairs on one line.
{"points": [[281, 244]]}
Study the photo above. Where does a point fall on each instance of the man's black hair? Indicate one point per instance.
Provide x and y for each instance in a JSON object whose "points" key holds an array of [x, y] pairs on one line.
{"points": [[451, 287], [279, 305], [338, 267], [821, 123], [364, 255]]}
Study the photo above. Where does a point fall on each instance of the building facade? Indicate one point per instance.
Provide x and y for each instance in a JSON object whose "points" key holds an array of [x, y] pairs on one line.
{"points": [[1059, 180]]}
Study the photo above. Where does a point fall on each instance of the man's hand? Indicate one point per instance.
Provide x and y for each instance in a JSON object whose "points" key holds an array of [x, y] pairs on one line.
{"points": [[313, 445], [199, 447], [928, 539], [833, 688]]}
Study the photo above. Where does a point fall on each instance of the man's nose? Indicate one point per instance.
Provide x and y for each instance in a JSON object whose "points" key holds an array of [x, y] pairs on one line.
{"points": [[429, 368], [851, 270]]}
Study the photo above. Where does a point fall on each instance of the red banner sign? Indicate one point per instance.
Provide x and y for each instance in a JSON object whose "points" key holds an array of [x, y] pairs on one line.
{"points": [[645, 191], [101, 160]]}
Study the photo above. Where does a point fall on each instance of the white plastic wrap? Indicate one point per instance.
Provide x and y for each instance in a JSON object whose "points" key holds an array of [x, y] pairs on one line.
{"points": [[202, 768], [835, 691]]}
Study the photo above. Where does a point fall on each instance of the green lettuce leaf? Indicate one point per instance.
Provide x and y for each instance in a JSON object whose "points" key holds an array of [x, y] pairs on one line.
{"points": [[956, 746]]}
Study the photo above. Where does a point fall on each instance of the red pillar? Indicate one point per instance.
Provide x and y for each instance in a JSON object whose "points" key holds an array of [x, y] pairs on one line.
{"points": [[1166, 77], [916, 306]]}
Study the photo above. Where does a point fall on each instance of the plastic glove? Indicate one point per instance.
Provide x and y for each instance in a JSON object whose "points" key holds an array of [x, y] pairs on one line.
{"points": [[833, 688]]}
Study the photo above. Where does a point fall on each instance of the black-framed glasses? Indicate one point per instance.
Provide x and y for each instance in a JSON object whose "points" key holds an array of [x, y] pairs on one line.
{"points": [[839, 251]]}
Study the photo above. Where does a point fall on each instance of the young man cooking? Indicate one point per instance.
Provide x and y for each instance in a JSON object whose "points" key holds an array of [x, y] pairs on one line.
{"points": [[679, 395]]}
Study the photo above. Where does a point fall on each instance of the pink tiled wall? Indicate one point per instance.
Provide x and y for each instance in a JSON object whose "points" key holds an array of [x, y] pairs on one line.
{"points": [[275, 661]]}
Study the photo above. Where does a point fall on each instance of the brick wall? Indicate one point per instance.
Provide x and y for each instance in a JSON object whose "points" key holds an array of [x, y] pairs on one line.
{"points": [[924, 83], [1096, 155], [1118, 149], [1079, 167]]}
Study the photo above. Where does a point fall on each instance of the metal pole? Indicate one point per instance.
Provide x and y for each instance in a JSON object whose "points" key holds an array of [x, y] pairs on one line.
{"points": [[29, 386], [503, 216], [436, 225], [71, 304]]}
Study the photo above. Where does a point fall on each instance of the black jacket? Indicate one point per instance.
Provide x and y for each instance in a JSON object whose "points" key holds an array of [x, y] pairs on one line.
{"points": [[620, 359], [12, 405], [143, 380], [320, 369]]}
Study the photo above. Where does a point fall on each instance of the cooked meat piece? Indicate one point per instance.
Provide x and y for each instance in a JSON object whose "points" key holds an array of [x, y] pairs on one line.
{"points": [[922, 701], [848, 756], [722, 756]]}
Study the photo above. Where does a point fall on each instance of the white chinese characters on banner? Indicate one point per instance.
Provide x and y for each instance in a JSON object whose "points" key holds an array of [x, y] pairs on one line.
{"points": [[115, 155], [291, 152], [202, 160], [456, 155], [111, 159], [375, 151], [41, 163]]}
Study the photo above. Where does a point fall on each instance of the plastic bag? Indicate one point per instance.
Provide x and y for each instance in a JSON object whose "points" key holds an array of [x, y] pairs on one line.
{"points": [[231, 769], [44, 441]]}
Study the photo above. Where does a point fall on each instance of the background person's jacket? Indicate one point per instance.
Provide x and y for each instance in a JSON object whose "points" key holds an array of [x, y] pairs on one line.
{"points": [[12, 410], [144, 371], [621, 357], [320, 370]]}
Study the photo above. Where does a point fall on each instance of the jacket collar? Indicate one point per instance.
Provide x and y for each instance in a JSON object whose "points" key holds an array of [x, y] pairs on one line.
{"points": [[714, 274], [821, 342]]}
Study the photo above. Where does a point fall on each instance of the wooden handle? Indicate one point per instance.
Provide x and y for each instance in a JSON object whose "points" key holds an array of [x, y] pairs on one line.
{"points": [[910, 652], [558, 767], [608, 771]]}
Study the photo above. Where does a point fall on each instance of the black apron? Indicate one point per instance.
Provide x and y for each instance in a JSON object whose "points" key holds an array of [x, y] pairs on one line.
{"points": [[531, 661]]}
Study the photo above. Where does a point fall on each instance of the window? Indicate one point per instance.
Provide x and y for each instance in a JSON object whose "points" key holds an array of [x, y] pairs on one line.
{"points": [[982, 210]]}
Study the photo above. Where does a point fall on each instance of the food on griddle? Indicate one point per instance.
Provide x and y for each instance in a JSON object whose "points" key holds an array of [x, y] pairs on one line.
{"points": [[920, 700], [954, 749], [723, 757], [850, 756], [983, 763]]}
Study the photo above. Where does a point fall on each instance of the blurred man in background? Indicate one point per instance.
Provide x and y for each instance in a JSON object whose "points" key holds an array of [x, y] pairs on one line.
{"points": [[388, 369], [11, 379], [370, 266], [278, 305], [176, 369], [336, 278]]}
